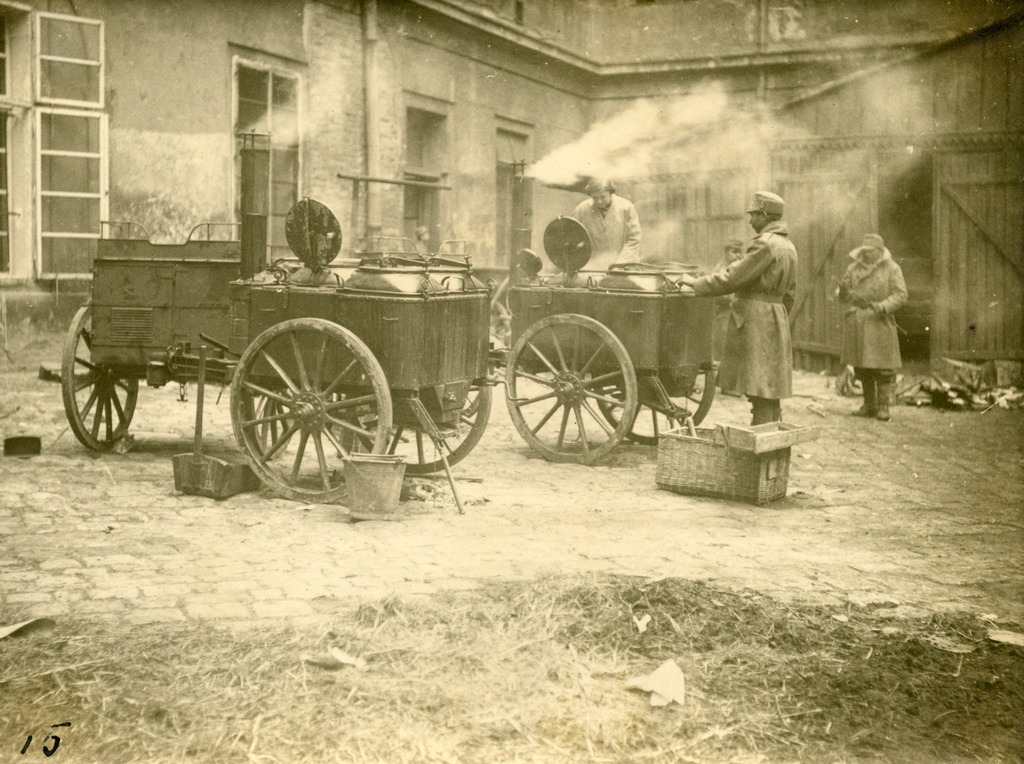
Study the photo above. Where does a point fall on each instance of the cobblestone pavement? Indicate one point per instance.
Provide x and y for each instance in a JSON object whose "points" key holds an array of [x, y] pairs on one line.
{"points": [[921, 514]]}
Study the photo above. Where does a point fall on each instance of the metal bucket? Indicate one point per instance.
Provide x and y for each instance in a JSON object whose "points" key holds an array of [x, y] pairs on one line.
{"points": [[373, 485]]}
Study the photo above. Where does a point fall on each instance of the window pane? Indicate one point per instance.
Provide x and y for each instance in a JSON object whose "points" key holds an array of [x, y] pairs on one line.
{"points": [[68, 255], [63, 132], [285, 128], [286, 164], [283, 197], [284, 181], [267, 102], [70, 215], [251, 117], [277, 232], [5, 254], [69, 82], [425, 139], [284, 93], [252, 101], [3, 75], [69, 39], [78, 174], [252, 85]]}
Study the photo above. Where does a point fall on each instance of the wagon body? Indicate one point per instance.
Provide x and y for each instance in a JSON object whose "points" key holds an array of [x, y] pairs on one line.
{"points": [[421, 340], [386, 356], [597, 357], [427, 327], [666, 334], [149, 297]]}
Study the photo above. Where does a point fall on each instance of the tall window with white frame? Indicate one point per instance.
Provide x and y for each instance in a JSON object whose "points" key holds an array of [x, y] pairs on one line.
{"points": [[71, 133], [5, 239], [425, 159], [268, 102]]}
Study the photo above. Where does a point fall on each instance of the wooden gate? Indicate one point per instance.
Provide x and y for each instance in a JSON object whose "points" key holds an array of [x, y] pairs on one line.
{"points": [[831, 202], [979, 255]]}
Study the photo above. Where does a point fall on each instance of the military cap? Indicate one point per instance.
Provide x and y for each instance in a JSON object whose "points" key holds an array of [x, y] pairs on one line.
{"points": [[874, 241], [766, 201]]}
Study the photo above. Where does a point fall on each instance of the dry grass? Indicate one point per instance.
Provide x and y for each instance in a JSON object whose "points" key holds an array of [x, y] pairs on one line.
{"points": [[531, 672]]}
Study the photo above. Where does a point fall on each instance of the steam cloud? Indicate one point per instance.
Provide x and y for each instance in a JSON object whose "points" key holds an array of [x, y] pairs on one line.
{"points": [[695, 134]]}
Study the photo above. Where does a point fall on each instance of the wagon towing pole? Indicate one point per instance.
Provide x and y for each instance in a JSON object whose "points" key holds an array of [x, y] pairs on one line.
{"points": [[439, 443]]}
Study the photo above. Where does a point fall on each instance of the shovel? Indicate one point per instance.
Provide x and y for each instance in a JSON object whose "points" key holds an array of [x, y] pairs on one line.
{"points": [[199, 475]]}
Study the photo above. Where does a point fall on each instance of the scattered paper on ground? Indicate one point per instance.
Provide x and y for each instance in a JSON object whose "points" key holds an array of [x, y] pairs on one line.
{"points": [[27, 627], [334, 659], [948, 644], [666, 683], [1007, 637]]}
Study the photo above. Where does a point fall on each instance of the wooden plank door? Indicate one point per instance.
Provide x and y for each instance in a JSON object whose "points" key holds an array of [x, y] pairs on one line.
{"points": [[831, 202], [979, 255], [688, 217]]}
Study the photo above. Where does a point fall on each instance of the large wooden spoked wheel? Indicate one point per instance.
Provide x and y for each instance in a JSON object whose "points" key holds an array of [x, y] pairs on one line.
{"points": [[307, 393], [98, 400], [650, 422], [422, 457], [559, 372]]}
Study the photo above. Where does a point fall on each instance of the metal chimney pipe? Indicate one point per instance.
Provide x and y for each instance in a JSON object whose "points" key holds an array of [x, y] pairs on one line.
{"points": [[255, 202]]}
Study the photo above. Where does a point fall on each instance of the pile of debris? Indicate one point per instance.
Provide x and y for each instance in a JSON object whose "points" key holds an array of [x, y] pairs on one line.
{"points": [[966, 386]]}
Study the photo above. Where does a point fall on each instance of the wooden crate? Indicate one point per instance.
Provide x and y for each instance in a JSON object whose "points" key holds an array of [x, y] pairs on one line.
{"points": [[744, 463]]}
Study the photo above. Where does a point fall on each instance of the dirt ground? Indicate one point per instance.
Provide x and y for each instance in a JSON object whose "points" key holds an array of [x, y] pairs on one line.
{"points": [[925, 511], [911, 519]]}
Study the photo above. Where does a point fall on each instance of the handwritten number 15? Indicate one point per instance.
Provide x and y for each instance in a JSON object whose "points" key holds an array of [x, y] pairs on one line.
{"points": [[55, 738]]}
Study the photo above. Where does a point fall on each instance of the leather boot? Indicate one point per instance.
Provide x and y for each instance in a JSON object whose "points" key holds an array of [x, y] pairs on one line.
{"points": [[765, 410], [868, 383], [886, 383]]}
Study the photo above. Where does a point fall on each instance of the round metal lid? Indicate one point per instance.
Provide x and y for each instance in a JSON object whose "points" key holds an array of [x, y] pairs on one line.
{"points": [[567, 244], [313, 233]]}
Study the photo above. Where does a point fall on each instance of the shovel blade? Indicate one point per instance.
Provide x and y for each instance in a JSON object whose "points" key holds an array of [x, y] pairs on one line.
{"points": [[212, 477]]}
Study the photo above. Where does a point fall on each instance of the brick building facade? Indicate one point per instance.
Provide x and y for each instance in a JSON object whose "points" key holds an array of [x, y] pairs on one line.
{"points": [[399, 113]]}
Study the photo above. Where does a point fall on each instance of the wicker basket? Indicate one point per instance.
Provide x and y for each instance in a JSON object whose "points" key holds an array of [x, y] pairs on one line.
{"points": [[728, 462]]}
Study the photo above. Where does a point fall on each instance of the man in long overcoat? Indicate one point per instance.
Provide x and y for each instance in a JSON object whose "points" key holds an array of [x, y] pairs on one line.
{"points": [[733, 251], [873, 290], [758, 357]]}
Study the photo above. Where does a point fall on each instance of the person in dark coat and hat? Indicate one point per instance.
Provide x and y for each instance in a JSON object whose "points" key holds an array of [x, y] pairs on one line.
{"points": [[873, 290], [758, 357]]}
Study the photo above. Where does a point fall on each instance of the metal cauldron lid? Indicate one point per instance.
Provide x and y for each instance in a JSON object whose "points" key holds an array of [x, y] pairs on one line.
{"points": [[567, 244], [312, 233]]}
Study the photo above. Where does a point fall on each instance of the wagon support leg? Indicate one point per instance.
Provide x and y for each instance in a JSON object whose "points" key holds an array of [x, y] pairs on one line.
{"points": [[662, 403], [656, 401], [423, 416]]}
